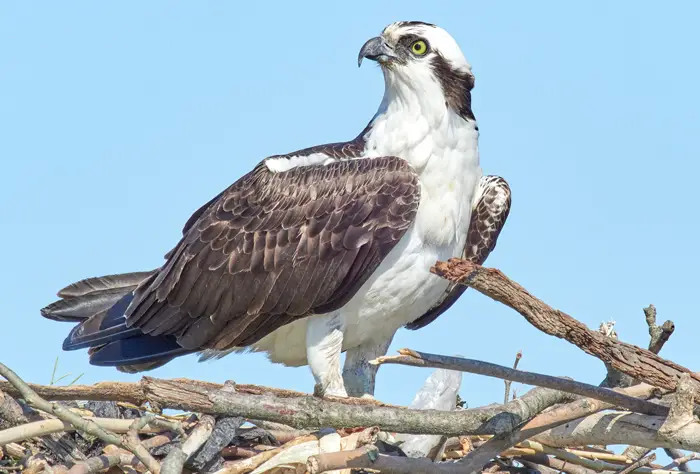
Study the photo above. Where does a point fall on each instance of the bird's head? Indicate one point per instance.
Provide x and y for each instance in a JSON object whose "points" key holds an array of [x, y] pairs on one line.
{"points": [[422, 60]]}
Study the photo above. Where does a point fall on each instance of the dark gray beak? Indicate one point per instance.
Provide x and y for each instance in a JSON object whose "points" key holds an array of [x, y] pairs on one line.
{"points": [[376, 49]]}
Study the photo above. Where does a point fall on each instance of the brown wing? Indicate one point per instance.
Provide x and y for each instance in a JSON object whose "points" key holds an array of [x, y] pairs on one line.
{"points": [[487, 220], [275, 247]]}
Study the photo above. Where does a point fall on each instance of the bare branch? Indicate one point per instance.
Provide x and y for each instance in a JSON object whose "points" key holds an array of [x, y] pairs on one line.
{"points": [[421, 359], [636, 362]]}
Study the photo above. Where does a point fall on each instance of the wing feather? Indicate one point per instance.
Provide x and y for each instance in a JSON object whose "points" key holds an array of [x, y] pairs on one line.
{"points": [[276, 246]]}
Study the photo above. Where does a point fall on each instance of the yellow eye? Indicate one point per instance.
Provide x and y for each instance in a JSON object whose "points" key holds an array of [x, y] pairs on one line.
{"points": [[419, 48]]}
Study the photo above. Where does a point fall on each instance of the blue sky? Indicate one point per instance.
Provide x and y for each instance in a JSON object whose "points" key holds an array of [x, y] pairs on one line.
{"points": [[120, 119]]}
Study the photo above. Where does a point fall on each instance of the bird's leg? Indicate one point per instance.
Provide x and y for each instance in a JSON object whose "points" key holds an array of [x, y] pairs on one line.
{"points": [[324, 341], [358, 374]]}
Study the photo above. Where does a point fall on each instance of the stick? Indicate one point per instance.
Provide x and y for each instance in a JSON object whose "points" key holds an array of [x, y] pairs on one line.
{"points": [[634, 361], [44, 427], [421, 359], [87, 426], [518, 356]]}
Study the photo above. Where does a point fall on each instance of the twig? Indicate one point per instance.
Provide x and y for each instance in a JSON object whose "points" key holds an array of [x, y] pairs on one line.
{"points": [[636, 362], [645, 461], [176, 458], [138, 449], [658, 334], [518, 356], [80, 423], [421, 359]]}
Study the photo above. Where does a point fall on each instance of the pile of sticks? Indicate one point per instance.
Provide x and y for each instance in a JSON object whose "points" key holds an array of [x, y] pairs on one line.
{"points": [[561, 425]]}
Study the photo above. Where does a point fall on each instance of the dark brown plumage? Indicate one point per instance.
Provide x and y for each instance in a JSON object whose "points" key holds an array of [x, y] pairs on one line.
{"points": [[275, 247]]}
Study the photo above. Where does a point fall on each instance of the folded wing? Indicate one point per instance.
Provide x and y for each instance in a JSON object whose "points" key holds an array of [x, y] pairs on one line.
{"points": [[272, 248]]}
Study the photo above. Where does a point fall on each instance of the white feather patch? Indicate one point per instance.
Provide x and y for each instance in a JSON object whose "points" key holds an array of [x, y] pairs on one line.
{"points": [[278, 165]]}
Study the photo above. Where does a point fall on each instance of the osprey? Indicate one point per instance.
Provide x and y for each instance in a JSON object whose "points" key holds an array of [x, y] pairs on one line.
{"points": [[319, 251]]}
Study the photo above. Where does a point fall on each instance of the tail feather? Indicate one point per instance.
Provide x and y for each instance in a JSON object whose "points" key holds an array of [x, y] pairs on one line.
{"points": [[138, 350], [102, 328], [83, 299], [83, 307], [99, 306], [98, 284]]}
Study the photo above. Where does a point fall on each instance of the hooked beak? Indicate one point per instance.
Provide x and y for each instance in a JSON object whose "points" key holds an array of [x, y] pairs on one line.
{"points": [[376, 49]]}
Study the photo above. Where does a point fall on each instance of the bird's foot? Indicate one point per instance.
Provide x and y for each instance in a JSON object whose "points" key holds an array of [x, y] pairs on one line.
{"points": [[331, 390]]}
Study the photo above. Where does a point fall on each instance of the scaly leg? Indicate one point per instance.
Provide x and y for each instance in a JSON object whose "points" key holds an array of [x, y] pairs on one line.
{"points": [[324, 341], [359, 375]]}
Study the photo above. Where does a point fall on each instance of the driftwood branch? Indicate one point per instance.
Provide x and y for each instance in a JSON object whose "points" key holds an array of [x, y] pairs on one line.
{"points": [[421, 359], [634, 361]]}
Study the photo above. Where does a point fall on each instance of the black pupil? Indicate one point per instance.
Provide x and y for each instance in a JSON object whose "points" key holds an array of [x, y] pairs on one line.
{"points": [[418, 46]]}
